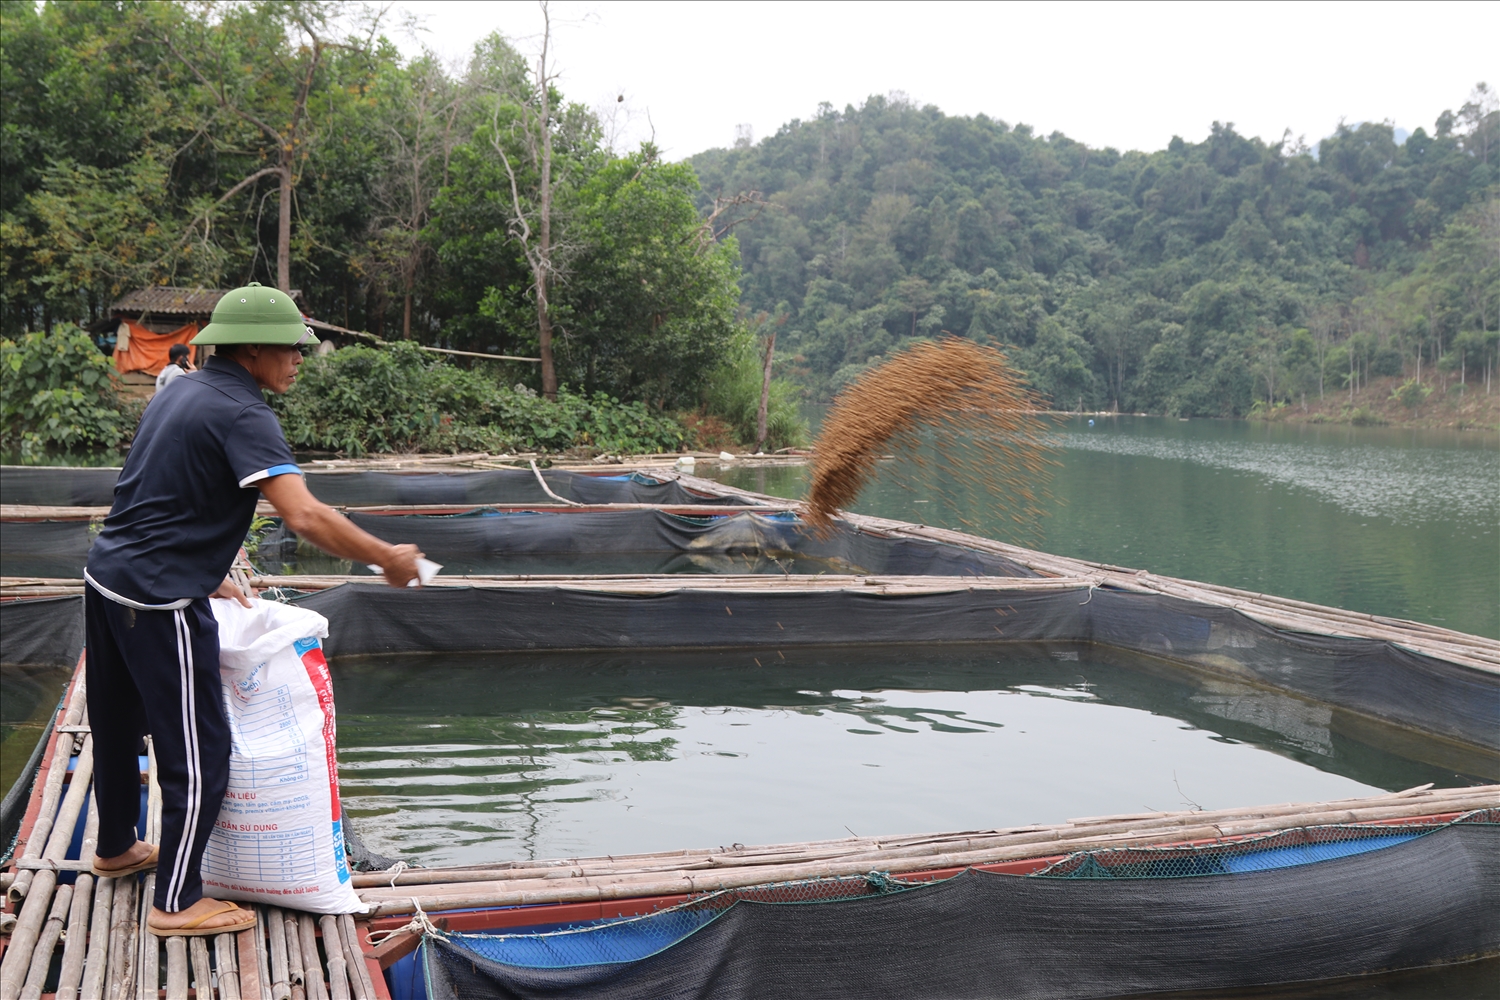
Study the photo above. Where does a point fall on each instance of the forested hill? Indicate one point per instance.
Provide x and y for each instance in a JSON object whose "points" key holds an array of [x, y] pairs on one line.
{"points": [[1194, 280]]}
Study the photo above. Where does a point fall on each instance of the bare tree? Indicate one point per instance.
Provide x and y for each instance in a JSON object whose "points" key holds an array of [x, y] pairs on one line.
{"points": [[533, 127], [728, 213]]}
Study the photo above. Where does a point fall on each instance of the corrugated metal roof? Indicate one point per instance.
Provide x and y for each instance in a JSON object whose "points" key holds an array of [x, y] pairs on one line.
{"points": [[165, 300]]}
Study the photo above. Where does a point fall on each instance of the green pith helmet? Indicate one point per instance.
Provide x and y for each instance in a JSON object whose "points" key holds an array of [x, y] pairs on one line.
{"points": [[256, 315]]}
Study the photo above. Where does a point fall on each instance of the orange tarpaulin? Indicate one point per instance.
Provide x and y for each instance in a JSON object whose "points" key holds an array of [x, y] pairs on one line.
{"points": [[137, 349]]}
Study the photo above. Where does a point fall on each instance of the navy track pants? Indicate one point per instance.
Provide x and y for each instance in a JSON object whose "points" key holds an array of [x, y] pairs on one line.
{"points": [[157, 672]]}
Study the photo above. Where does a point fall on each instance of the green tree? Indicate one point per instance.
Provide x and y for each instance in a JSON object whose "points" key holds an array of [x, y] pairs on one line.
{"points": [[649, 309]]}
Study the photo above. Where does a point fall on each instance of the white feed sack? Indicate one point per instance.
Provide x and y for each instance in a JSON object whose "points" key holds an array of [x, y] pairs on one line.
{"points": [[279, 838]]}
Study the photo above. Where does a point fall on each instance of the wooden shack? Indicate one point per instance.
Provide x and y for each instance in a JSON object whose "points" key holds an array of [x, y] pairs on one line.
{"points": [[148, 321]]}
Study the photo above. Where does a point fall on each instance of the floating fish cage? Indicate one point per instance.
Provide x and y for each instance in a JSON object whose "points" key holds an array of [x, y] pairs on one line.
{"points": [[650, 565]]}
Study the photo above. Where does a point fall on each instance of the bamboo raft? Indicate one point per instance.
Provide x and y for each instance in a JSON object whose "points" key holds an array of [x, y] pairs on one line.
{"points": [[93, 932], [99, 924]]}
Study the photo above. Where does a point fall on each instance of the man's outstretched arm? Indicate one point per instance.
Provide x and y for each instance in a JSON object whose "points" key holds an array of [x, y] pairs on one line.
{"points": [[335, 534]]}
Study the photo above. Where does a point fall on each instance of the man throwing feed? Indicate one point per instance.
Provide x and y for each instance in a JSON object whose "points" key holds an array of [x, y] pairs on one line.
{"points": [[203, 455]]}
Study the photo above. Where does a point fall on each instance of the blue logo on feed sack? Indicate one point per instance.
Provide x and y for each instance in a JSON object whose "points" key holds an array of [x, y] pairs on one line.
{"points": [[339, 861], [301, 646]]}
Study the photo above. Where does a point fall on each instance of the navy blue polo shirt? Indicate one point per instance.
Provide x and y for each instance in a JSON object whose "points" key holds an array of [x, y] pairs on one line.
{"points": [[188, 490]]}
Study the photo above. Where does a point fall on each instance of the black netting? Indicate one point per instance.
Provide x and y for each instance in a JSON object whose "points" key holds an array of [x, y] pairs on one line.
{"points": [[1367, 677], [47, 631], [36, 639], [589, 542], [1431, 899], [647, 541], [505, 486], [56, 549], [57, 485], [360, 857], [63, 486]]}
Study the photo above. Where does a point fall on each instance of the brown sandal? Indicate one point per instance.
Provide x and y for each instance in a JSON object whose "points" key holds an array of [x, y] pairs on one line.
{"points": [[139, 866], [195, 928]]}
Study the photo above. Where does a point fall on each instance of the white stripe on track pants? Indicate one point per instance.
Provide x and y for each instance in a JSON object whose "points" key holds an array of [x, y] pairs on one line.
{"points": [[157, 672]]}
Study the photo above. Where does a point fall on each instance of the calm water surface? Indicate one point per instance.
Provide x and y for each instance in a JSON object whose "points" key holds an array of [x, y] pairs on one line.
{"points": [[457, 760], [1390, 522]]}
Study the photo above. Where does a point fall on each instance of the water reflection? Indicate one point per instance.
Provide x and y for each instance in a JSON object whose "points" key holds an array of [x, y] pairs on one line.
{"points": [[467, 759]]}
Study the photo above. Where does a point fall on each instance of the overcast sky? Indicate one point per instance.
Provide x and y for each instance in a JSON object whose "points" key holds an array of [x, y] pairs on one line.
{"points": [[1128, 75]]}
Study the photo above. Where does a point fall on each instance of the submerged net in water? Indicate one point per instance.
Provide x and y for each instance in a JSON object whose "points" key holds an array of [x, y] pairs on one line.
{"points": [[952, 402]]}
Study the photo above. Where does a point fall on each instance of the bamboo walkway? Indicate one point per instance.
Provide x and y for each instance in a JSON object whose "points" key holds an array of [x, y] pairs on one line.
{"points": [[99, 924]]}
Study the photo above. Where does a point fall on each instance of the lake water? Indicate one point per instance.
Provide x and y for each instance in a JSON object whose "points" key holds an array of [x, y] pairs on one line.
{"points": [[458, 760], [1389, 522]]}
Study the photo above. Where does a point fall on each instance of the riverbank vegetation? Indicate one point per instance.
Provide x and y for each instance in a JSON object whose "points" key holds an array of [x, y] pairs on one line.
{"points": [[479, 209]]}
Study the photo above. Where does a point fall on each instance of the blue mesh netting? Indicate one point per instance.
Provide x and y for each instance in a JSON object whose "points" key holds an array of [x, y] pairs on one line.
{"points": [[602, 943], [1282, 849], [630, 939]]}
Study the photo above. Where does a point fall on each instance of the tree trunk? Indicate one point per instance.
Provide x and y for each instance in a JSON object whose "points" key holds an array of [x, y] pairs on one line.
{"points": [[543, 317], [765, 395], [406, 317], [284, 232], [544, 338]]}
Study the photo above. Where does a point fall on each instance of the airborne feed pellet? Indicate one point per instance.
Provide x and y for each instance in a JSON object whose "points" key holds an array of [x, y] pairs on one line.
{"points": [[957, 412]]}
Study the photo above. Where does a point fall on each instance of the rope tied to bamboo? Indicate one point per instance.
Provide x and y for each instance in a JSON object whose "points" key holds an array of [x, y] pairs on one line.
{"points": [[548, 490], [420, 924]]}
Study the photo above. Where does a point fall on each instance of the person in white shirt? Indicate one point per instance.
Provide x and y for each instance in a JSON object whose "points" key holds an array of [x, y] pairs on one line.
{"points": [[178, 362]]}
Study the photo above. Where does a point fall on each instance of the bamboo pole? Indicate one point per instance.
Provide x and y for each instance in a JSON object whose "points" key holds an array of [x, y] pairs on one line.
{"points": [[148, 963], [36, 908], [20, 513], [281, 981], [122, 926], [364, 987], [76, 947], [312, 967], [203, 975], [1413, 802], [51, 793], [338, 974], [1044, 843], [41, 955], [177, 968], [96, 960], [224, 964], [148, 946], [294, 961], [254, 981], [76, 943], [26, 932]]}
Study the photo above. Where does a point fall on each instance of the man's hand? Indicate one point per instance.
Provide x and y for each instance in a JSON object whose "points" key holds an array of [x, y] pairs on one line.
{"points": [[333, 533], [230, 591], [401, 565]]}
